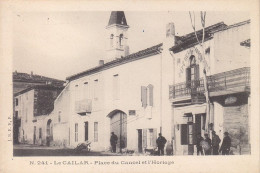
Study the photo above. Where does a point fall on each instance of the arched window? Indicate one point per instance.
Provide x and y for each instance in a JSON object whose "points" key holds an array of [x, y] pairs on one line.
{"points": [[192, 72], [121, 40], [111, 40]]}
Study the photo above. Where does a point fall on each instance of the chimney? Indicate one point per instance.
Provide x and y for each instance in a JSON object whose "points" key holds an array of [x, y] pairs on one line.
{"points": [[101, 62], [31, 73], [15, 72], [170, 36], [126, 51]]}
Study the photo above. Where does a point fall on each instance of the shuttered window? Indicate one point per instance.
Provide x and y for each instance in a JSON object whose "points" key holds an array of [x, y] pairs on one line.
{"points": [[144, 96], [154, 137], [116, 87], [150, 89], [96, 89]]}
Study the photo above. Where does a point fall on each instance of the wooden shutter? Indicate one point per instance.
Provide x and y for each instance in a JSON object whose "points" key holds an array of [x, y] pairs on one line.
{"points": [[194, 133], [150, 95], [144, 138], [144, 96], [154, 137], [184, 134], [197, 75], [188, 77]]}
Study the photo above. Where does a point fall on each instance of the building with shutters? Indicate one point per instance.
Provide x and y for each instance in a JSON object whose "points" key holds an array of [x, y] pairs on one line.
{"points": [[128, 94], [227, 62]]}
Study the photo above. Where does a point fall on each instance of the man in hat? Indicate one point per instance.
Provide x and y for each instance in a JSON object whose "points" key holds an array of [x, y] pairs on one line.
{"points": [[226, 144], [113, 142], [207, 144], [215, 143], [160, 143], [199, 145]]}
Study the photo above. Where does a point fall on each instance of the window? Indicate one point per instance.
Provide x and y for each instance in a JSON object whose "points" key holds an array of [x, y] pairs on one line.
{"points": [[96, 89], [121, 40], [77, 94], [144, 96], [192, 73], [16, 114], [95, 131], [76, 132], [147, 95], [85, 90], [116, 87], [16, 101], [40, 133], [59, 116], [150, 94], [111, 40], [26, 117], [150, 137]]}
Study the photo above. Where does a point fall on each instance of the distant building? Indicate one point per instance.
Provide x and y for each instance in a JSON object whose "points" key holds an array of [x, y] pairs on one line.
{"points": [[32, 107], [23, 83]]}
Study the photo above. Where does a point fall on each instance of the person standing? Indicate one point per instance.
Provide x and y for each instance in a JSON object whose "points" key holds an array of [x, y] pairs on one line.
{"points": [[160, 143], [198, 144], [207, 145], [215, 143], [113, 142], [226, 144]]}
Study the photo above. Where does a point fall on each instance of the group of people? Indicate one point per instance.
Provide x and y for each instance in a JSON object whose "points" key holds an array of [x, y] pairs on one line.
{"points": [[211, 147], [161, 141], [205, 146]]}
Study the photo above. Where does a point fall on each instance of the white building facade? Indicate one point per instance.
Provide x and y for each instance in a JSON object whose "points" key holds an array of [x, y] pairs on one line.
{"points": [[228, 76]]}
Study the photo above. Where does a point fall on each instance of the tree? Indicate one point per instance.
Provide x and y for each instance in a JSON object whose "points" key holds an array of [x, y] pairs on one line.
{"points": [[202, 45]]}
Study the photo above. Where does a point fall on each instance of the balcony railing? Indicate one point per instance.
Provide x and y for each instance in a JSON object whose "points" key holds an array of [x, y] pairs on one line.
{"points": [[218, 82], [83, 106]]}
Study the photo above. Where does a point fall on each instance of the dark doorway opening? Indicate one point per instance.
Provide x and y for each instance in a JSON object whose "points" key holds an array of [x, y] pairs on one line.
{"points": [[34, 135], [140, 140], [86, 131]]}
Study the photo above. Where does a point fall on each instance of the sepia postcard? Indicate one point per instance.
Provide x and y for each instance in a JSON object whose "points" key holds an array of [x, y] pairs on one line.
{"points": [[126, 86]]}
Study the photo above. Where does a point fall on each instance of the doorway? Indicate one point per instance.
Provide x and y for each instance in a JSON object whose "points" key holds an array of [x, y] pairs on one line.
{"points": [[118, 125], [86, 131], [34, 135], [140, 140]]}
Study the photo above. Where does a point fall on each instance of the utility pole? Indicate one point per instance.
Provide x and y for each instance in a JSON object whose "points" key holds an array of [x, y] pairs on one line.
{"points": [[201, 44]]}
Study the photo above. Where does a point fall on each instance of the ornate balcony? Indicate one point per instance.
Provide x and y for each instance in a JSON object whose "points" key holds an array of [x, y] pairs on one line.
{"points": [[83, 106], [219, 84]]}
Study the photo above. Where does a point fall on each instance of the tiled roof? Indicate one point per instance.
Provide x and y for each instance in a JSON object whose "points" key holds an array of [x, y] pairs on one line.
{"points": [[132, 57], [181, 43], [34, 78], [118, 18], [42, 87], [189, 40]]}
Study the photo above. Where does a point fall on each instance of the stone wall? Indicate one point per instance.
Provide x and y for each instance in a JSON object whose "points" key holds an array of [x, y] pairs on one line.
{"points": [[236, 124]]}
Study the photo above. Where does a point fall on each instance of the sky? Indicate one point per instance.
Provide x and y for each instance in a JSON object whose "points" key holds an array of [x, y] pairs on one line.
{"points": [[60, 44]]}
